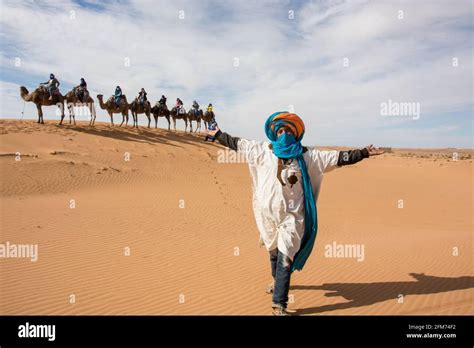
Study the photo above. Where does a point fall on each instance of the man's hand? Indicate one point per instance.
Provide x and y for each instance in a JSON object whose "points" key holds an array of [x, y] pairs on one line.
{"points": [[213, 132], [373, 151]]}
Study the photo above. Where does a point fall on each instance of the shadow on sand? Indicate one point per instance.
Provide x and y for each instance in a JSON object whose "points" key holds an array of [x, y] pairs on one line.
{"points": [[366, 294], [143, 135]]}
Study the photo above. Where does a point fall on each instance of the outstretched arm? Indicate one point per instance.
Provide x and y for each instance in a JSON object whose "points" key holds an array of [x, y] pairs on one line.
{"points": [[329, 160], [225, 139], [354, 156], [252, 150]]}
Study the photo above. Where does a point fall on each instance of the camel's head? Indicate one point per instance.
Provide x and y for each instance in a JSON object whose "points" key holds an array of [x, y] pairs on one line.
{"points": [[23, 90], [99, 96]]}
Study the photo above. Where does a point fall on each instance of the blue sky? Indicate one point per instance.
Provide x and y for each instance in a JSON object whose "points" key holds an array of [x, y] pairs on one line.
{"points": [[401, 51]]}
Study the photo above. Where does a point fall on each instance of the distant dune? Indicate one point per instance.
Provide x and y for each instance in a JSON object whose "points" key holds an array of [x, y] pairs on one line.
{"points": [[148, 222]]}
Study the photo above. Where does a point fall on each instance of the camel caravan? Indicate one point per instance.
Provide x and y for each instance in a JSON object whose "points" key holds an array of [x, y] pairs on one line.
{"points": [[48, 94]]}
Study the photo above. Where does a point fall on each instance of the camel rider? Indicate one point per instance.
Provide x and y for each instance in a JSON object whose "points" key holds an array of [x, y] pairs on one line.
{"points": [[117, 95], [210, 112], [209, 109], [286, 181], [52, 85], [179, 106], [162, 102], [142, 96], [195, 107], [81, 89]]}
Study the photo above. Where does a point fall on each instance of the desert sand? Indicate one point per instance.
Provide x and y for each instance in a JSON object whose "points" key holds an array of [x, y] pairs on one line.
{"points": [[149, 222]]}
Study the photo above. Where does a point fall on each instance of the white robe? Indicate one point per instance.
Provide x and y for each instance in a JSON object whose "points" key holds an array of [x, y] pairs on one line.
{"points": [[279, 209]]}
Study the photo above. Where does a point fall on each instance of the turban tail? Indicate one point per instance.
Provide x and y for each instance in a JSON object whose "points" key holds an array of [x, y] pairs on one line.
{"points": [[287, 146]]}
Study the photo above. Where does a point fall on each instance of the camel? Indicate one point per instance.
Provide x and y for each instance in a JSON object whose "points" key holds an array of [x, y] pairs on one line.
{"points": [[137, 108], [112, 108], [40, 97], [177, 116], [73, 101], [208, 117], [192, 116], [161, 111]]}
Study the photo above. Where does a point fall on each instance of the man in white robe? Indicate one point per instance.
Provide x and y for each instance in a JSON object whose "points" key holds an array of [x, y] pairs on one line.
{"points": [[278, 200]]}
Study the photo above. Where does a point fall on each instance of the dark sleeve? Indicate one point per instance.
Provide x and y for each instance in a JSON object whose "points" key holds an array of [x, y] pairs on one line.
{"points": [[227, 140], [351, 156]]}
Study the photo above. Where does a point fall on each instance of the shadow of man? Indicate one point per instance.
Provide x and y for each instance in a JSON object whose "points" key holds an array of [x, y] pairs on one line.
{"points": [[365, 294]]}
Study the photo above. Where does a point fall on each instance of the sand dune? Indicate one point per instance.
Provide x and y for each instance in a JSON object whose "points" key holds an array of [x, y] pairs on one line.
{"points": [[158, 226]]}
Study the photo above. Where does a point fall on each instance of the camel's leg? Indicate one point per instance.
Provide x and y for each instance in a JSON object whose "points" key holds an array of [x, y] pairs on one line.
{"points": [[169, 123], [111, 118], [62, 113], [92, 111], [191, 125], [123, 120], [185, 125], [90, 114], [156, 121], [95, 113], [174, 124], [149, 119], [40, 113], [70, 109]]}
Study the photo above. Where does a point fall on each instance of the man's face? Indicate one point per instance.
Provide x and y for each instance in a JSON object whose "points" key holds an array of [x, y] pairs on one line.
{"points": [[284, 129]]}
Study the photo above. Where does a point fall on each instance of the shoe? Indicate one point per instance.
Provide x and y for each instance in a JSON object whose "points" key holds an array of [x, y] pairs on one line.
{"points": [[270, 288], [279, 310]]}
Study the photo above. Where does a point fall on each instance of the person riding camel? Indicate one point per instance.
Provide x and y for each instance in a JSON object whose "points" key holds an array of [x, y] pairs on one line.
{"points": [[210, 112], [195, 107], [52, 85], [286, 182], [118, 96], [179, 106], [162, 102], [81, 90], [142, 97]]}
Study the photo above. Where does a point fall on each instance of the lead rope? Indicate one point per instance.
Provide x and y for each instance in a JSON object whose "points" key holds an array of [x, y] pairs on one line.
{"points": [[23, 111]]}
